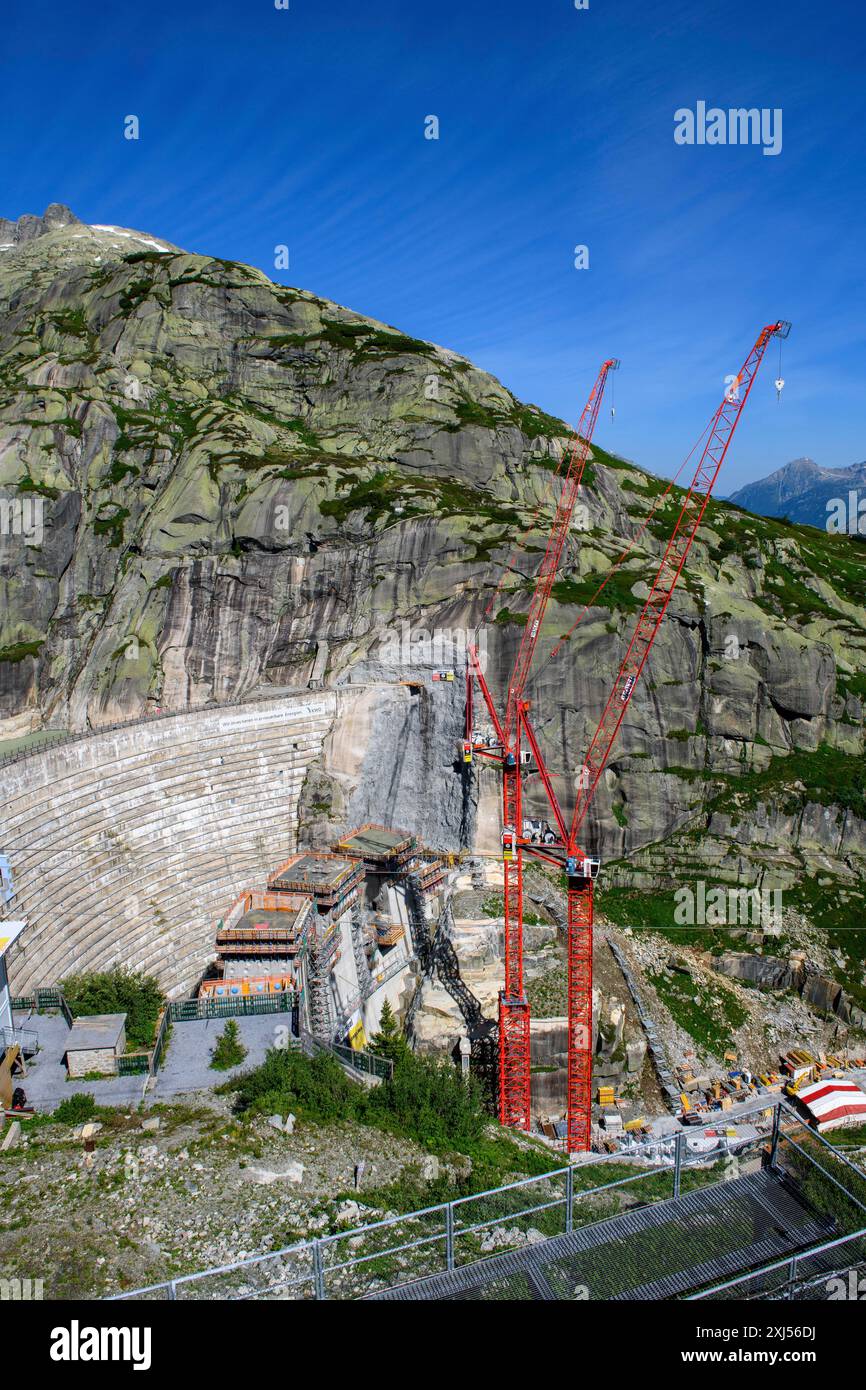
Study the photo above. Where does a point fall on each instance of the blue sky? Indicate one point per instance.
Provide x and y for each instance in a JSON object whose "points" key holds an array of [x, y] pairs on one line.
{"points": [[305, 127]]}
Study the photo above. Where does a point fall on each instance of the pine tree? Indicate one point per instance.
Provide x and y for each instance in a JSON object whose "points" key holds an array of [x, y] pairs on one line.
{"points": [[389, 1041], [228, 1050]]}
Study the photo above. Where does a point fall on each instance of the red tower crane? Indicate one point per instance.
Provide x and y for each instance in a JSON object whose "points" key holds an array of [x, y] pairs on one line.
{"points": [[513, 1005], [580, 869]]}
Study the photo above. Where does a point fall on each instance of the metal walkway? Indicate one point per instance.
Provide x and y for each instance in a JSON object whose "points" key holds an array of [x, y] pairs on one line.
{"points": [[683, 1244]]}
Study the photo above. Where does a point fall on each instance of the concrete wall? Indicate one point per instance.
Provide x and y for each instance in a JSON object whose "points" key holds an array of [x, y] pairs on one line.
{"points": [[92, 1059], [127, 846]]}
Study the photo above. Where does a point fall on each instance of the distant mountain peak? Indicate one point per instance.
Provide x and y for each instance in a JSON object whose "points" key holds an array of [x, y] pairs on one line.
{"points": [[59, 239], [801, 490], [29, 227]]}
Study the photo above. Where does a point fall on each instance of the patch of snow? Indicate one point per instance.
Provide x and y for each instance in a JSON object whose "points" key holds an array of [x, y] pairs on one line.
{"points": [[131, 236]]}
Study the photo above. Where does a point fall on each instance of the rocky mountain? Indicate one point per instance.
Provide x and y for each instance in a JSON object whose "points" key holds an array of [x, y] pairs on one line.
{"points": [[208, 479], [803, 491], [28, 227]]}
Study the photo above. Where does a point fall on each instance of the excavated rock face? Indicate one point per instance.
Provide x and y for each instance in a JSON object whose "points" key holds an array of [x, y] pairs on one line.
{"points": [[772, 973], [217, 477], [768, 972]]}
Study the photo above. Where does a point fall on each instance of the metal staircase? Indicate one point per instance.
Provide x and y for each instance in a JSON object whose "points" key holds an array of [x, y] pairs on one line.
{"points": [[419, 931], [362, 965], [319, 990]]}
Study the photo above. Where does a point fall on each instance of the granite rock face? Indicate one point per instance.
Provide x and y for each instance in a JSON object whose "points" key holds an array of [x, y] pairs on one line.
{"points": [[28, 227], [209, 480], [774, 973]]}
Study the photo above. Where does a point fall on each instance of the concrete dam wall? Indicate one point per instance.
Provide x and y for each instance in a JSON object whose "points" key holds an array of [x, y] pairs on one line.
{"points": [[126, 846]]}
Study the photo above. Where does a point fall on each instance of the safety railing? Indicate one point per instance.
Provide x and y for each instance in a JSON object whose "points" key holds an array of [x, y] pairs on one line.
{"points": [[234, 1006], [800, 1275], [836, 1190], [133, 1063], [162, 1035], [42, 1001], [25, 1038], [357, 1060]]}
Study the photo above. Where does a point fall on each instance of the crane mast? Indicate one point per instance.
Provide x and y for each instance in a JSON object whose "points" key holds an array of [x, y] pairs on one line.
{"points": [[514, 1068], [578, 455]]}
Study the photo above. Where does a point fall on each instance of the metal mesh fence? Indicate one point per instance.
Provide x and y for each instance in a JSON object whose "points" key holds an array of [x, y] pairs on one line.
{"points": [[395, 1251]]}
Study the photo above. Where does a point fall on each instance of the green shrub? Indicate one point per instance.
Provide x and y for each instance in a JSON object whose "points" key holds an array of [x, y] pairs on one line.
{"points": [[228, 1051], [314, 1088], [76, 1109], [430, 1102], [425, 1100]]}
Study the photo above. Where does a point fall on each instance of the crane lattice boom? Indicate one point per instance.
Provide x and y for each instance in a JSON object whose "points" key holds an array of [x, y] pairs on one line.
{"points": [[578, 454]]}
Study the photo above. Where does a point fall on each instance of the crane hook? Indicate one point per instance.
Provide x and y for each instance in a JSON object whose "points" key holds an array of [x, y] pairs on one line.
{"points": [[779, 384]]}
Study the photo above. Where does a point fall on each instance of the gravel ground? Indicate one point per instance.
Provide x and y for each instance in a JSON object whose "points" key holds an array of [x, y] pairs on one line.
{"points": [[201, 1190], [186, 1064]]}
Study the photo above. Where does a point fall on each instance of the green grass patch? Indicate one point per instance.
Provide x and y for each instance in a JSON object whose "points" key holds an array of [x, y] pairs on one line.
{"points": [[537, 424], [70, 321], [548, 994], [18, 651], [379, 496], [653, 910], [827, 777], [709, 1014], [111, 525], [616, 596], [28, 484], [838, 907]]}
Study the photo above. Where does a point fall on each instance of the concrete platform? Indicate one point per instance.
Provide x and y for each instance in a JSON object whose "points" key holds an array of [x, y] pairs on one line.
{"points": [[375, 843], [313, 873], [185, 1067]]}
